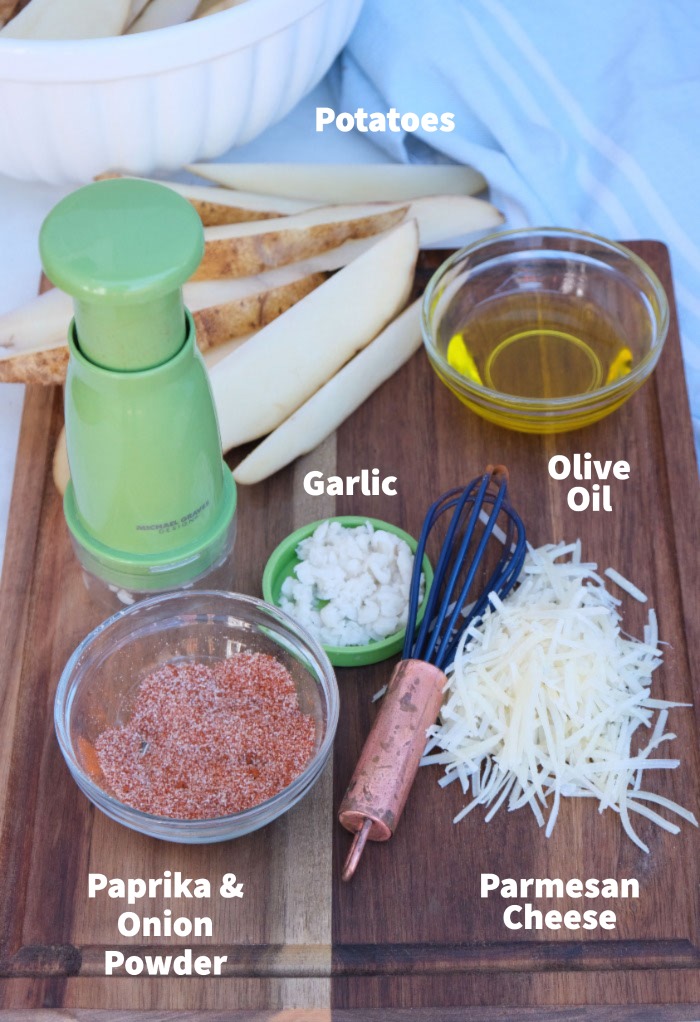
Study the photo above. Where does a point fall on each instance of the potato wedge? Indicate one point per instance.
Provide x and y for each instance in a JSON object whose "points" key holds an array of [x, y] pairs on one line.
{"points": [[47, 367], [59, 466], [207, 7], [162, 14], [440, 219], [218, 323], [32, 338], [219, 206], [69, 19], [219, 353], [7, 10], [242, 249], [43, 322], [436, 219], [38, 324], [239, 250], [337, 399], [261, 383], [136, 7], [343, 182]]}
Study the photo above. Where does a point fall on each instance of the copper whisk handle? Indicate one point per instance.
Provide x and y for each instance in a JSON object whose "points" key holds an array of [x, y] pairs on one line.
{"points": [[389, 760]]}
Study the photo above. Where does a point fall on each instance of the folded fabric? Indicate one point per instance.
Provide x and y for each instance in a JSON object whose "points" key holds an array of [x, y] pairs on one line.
{"points": [[579, 115]]}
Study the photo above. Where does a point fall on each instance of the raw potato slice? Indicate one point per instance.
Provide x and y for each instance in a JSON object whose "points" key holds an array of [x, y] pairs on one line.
{"points": [[40, 323], [325, 410], [136, 7], [344, 182], [7, 9], [205, 8], [59, 467], [32, 338], [264, 381], [242, 249], [336, 258], [219, 206], [69, 19], [162, 14], [219, 353], [218, 323], [248, 248], [440, 218], [239, 250], [443, 217], [47, 367]]}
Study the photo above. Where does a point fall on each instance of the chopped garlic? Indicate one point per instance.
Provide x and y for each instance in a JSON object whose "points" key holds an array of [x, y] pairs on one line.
{"points": [[351, 585], [545, 695]]}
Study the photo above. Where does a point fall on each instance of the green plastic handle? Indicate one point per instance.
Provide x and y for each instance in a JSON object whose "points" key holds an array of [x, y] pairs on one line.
{"points": [[123, 248]]}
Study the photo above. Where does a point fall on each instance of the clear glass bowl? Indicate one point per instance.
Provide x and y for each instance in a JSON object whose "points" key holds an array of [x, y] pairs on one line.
{"points": [[544, 330], [103, 674]]}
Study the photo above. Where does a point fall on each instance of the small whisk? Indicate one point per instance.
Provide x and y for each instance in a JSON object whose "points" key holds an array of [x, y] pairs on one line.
{"points": [[389, 760]]}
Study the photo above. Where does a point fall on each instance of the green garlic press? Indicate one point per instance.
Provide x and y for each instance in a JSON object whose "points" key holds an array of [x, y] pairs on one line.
{"points": [[151, 504]]}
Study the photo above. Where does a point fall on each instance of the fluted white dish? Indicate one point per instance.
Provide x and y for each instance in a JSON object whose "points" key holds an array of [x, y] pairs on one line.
{"points": [[158, 100]]}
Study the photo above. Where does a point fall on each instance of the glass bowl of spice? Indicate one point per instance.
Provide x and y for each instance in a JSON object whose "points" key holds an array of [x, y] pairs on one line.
{"points": [[197, 716]]}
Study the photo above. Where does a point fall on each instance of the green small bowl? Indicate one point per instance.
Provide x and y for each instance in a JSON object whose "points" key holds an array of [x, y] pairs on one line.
{"points": [[284, 560]]}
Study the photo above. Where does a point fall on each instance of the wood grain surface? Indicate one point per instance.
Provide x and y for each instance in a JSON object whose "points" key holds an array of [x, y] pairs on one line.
{"points": [[410, 938]]}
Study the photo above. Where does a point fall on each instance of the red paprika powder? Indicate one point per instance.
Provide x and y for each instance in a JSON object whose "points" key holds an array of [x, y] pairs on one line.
{"points": [[208, 739]]}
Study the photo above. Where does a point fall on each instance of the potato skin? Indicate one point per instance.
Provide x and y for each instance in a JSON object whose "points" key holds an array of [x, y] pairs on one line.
{"points": [[7, 10], [221, 323], [46, 367], [245, 255], [214, 326], [215, 214]]}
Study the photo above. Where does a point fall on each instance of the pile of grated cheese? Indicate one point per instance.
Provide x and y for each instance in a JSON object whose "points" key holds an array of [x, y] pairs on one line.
{"points": [[351, 585], [545, 695]]}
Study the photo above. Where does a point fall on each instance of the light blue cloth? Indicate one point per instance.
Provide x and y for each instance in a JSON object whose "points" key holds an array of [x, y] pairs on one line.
{"points": [[579, 115]]}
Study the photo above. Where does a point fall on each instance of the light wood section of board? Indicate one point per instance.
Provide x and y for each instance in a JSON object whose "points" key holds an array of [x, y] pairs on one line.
{"points": [[277, 938]]}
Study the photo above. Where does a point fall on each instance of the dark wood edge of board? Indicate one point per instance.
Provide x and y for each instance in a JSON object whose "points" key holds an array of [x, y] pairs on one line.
{"points": [[506, 1013], [350, 960]]}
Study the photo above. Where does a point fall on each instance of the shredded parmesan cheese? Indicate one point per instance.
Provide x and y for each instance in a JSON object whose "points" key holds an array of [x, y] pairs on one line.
{"points": [[626, 585], [545, 695]]}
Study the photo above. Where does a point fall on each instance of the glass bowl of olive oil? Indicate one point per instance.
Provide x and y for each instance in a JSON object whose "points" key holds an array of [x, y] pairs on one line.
{"points": [[544, 330]]}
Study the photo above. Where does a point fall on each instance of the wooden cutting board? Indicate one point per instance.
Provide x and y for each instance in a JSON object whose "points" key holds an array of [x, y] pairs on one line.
{"points": [[410, 938]]}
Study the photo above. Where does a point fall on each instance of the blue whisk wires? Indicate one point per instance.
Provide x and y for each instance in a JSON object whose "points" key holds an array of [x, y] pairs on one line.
{"points": [[460, 558]]}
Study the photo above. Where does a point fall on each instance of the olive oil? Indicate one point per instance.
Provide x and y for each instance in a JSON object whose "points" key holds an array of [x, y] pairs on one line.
{"points": [[536, 345]]}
